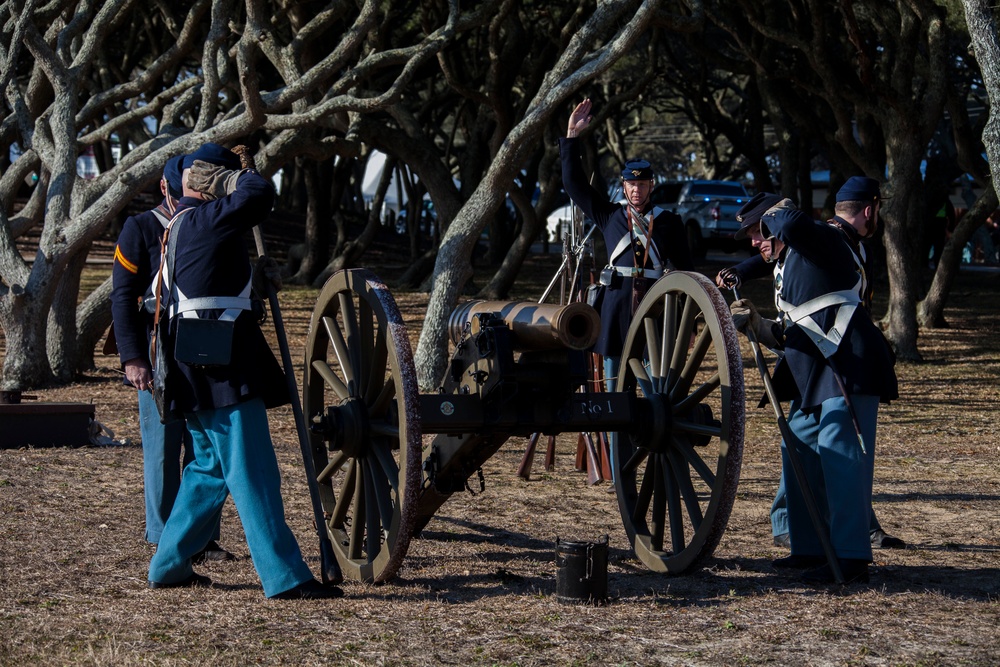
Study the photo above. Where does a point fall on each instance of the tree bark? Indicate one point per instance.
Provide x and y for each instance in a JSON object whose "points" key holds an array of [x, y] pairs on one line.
{"points": [[61, 340], [576, 66], [981, 19], [93, 318]]}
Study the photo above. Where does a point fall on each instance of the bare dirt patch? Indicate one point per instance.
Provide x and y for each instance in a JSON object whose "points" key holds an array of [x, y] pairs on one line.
{"points": [[478, 587]]}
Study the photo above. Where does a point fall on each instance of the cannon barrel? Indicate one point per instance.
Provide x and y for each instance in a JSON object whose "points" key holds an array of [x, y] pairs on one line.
{"points": [[536, 326]]}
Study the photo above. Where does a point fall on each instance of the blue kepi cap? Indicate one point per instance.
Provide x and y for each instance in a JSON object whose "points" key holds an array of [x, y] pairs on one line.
{"points": [[214, 154], [172, 172], [859, 188], [637, 170]]}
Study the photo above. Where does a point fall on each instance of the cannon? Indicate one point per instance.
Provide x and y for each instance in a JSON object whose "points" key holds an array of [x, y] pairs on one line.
{"points": [[386, 456]]}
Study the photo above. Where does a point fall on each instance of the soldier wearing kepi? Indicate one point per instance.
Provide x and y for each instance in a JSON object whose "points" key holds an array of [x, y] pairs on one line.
{"points": [[137, 259], [224, 397], [835, 370], [856, 217], [642, 240]]}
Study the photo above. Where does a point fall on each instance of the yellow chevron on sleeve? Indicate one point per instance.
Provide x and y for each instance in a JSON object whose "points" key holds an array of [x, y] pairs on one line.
{"points": [[127, 265]]}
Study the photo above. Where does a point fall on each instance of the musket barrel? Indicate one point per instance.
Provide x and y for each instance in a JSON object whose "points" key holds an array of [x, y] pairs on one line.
{"points": [[536, 326]]}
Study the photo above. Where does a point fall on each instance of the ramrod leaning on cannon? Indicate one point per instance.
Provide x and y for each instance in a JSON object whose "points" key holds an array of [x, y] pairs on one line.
{"points": [[519, 368]]}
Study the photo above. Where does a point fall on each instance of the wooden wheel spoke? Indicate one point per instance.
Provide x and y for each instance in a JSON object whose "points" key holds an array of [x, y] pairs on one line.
{"points": [[697, 396], [697, 429], [367, 346], [696, 462], [374, 517], [681, 340], [336, 337], [352, 340], [683, 477], [675, 517], [638, 456], [356, 540], [376, 373], [639, 371], [658, 511], [387, 464], [653, 350], [346, 496], [668, 332], [693, 364], [331, 379], [332, 467], [645, 493], [381, 405], [384, 428]]}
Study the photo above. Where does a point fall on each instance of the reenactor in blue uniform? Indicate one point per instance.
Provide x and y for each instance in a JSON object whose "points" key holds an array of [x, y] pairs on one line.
{"points": [[853, 218], [225, 402], [137, 260], [835, 370], [626, 225], [643, 241]]}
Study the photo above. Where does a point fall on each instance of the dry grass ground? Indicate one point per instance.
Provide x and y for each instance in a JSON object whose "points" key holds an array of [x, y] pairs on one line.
{"points": [[478, 587]]}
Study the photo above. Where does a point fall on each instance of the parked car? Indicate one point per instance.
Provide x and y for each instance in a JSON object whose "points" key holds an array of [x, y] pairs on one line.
{"points": [[708, 210]]}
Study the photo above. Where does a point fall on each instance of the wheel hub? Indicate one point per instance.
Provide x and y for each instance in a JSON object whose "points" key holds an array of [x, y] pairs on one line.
{"points": [[658, 424], [348, 428]]}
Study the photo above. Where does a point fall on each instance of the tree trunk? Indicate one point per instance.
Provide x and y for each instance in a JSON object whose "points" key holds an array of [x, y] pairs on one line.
{"points": [[25, 363], [982, 23], [61, 342], [318, 221], [501, 282], [931, 309], [903, 211], [93, 317], [354, 249]]}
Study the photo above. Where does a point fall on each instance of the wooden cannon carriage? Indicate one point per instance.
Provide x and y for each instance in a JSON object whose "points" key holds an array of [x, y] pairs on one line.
{"points": [[518, 369]]}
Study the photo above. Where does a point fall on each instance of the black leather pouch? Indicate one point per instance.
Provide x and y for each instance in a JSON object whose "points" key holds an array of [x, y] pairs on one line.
{"points": [[203, 342]]}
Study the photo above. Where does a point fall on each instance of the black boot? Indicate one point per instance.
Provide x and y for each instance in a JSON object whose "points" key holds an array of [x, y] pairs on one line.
{"points": [[855, 571]]}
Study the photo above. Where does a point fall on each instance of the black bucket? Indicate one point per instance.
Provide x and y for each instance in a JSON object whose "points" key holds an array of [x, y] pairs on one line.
{"points": [[582, 571]]}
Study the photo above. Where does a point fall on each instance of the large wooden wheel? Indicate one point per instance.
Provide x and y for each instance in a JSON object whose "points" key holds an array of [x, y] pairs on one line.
{"points": [[676, 483], [361, 399]]}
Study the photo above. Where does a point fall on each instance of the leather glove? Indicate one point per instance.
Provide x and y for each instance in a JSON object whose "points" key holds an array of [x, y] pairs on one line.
{"points": [[212, 180], [267, 270], [784, 204], [746, 318], [728, 278], [744, 315]]}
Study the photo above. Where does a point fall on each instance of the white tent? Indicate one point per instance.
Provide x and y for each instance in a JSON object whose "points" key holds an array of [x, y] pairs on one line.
{"points": [[373, 174]]}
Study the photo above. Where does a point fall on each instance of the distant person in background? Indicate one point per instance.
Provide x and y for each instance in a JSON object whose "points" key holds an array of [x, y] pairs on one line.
{"points": [[165, 448], [984, 249], [643, 241], [941, 224]]}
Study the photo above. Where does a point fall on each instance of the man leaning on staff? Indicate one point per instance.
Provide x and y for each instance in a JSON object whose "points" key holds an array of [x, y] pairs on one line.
{"points": [[836, 369], [225, 403]]}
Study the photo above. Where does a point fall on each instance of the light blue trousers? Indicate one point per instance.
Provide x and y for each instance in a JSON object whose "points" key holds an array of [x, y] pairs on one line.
{"points": [[162, 446], [233, 454], [779, 510], [611, 367], [838, 473]]}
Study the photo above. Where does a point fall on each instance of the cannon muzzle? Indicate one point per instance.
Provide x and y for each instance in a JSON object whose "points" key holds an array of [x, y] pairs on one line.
{"points": [[536, 326]]}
